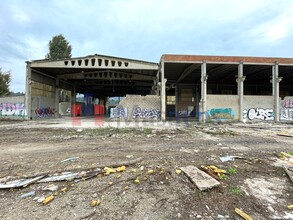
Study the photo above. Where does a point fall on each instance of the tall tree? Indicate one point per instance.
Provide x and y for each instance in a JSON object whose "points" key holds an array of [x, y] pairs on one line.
{"points": [[5, 78], [59, 48]]}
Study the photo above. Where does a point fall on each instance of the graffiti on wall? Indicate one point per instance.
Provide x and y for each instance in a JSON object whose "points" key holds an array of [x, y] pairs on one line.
{"points": [[138, 112], [118, 112], [43, 112], [12, 109], [287, 110], [221, 113], [259, 113]]}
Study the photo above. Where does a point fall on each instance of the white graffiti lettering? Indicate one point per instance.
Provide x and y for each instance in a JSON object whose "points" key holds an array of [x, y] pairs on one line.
{"points": [[146, 113], [12, 109], [286, 114], [118, 112], [260, 113]]}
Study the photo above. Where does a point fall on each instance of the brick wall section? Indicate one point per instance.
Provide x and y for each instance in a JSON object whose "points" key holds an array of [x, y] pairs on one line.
{"points": [[225, 59]]}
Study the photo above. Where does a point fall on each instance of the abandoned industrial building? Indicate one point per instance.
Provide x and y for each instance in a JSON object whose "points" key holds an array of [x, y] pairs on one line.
{"points": [[200, 88]]}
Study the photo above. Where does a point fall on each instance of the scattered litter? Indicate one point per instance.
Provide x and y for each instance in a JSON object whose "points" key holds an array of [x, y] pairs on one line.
{"points": [[71, 159], [230, 158], [136, 181], [133, 171], [48, 199], [151, 171], [63, 189], [95, 203], [19, 183], [141, 168], [290, 206], [51, 188], [39, 199], [243, 214], [67, 176], [289, 171], [32, 193], [129, 156], [219, 144], [202, 180], [109, 170], [121, 169], [286, 156], [79, 130], [126, 187], [285, 134], [220, 171]]}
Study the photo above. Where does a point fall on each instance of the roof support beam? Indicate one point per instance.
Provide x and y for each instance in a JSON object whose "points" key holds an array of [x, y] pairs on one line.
{"points": [[187, 71], [114, 75]]}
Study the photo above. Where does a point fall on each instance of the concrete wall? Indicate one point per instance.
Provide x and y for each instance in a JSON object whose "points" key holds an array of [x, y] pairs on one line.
{"points": [[137, 107], [286, 111], [258, 108], [65, 108], [13, 107], [222, 107], [43, 107]]}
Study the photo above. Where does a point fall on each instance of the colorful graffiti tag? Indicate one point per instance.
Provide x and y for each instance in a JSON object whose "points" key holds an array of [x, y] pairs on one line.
{"points": [[221, 113], [13, 109], [43, 112], [259, 113], [118, 112], [287, 110], [138, 112]]}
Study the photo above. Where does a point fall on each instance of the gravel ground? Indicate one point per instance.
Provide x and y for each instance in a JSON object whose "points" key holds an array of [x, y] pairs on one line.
{"points": [[256, 183]]}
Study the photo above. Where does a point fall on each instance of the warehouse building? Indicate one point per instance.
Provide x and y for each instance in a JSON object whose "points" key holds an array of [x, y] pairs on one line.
{"points": [[200, 88]]}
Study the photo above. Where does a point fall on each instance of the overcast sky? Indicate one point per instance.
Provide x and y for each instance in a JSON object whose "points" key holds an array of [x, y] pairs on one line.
{"points": [[143, 29]]}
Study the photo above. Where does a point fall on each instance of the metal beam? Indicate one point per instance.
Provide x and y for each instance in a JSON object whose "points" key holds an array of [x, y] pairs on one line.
{"points": [[187, 71], [115, 75]]}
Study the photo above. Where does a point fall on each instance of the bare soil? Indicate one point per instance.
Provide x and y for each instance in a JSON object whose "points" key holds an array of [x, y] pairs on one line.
{"points": [[258, 184]]}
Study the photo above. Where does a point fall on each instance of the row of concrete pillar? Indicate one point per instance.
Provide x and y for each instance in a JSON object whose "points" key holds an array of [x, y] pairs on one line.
{"points": [[240, 91]]}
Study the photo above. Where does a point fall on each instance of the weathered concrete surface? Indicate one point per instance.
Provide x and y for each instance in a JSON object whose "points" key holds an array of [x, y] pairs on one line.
{"points": [[289, 171], [202, 180]]}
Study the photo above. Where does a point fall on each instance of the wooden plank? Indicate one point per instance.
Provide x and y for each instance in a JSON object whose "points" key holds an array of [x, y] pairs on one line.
{"points": [[201, 179]]}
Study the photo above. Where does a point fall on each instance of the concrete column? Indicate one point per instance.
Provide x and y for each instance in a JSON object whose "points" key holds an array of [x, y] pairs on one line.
{"points": [[28, 92], [276, 81], [163, 93], [203, 100], [240, 89], [176, 100], [57, 95], [157, 81]]}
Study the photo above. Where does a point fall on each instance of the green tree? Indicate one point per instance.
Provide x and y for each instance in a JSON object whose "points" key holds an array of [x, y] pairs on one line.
{"points": [[59, 48], [5, 78]]}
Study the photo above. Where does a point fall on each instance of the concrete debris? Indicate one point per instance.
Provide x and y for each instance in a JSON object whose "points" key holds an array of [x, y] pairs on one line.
{"points": [[243, 214], [202, 180], [32, 193], [19, 183], [39, 199], [51, 188], [289, 170], [230, 158], [70, 159], [129, 156]]}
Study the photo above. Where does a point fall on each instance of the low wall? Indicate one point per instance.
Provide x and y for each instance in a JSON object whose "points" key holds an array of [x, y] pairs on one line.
{"points": [[13, 107], [258, 108], [222, 107], [65, 108], [137, 107]]}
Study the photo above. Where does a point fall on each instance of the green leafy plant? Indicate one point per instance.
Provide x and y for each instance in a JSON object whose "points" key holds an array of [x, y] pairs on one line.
{"points": [[237, 191], [232, 170]]}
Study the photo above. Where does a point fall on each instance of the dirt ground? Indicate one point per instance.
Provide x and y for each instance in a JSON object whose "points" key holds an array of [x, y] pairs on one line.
{"points": [[257, 183]]}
